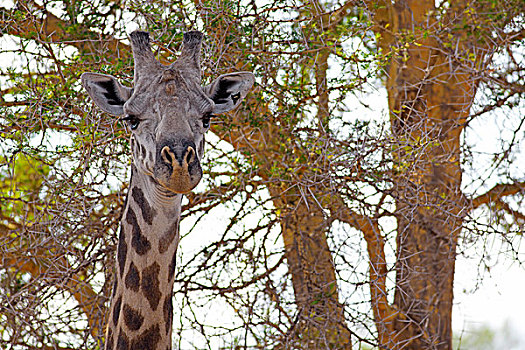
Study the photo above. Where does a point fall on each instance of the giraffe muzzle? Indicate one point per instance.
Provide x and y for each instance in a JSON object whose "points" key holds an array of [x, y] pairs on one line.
{"points": [[178, 168]]}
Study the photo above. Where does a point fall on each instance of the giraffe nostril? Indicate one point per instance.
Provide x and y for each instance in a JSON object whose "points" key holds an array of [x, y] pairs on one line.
{"points": [[190, 155], [178, 155], [167, 155]]}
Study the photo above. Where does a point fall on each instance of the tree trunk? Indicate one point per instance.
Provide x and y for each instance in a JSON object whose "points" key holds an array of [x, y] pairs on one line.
{"points": [[320, 323], [428, 230], [431, 88], [429, 99]]}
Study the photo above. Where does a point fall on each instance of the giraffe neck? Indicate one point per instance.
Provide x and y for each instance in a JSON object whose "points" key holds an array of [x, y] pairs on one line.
{"points": [[141, 304]]}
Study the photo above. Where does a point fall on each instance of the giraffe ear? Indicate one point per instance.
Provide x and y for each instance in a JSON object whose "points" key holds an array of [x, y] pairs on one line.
{"points": [[107, 93], [228, 90]]}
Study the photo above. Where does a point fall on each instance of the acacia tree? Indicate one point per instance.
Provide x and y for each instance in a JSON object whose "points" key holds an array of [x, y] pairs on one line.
{"points": [[442, 58], [299, 179]]}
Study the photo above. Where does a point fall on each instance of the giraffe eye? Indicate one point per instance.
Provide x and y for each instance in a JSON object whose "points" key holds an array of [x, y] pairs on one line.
{"points": [[133, 121], [206, 121]]}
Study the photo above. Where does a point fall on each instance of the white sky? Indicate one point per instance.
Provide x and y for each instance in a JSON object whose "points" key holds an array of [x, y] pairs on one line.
{"points": [[498, 299]]}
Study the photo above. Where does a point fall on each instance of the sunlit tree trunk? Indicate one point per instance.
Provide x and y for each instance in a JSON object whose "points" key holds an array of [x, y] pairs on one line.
{"points": [[430, 92], [320, 323]]}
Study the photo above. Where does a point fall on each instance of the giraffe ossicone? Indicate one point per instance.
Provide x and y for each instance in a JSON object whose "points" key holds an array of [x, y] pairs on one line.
{"points": [[168, 112]]}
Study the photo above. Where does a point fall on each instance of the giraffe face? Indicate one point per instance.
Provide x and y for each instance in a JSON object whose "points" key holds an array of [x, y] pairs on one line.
{"points": [[168, 119], [167, 110]]}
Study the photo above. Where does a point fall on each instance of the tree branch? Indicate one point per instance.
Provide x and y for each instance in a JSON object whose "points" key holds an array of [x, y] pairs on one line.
{"points": [[384, 313], [497, 192], [51, 29], [516, 214], [329, 20], [43, 265]]}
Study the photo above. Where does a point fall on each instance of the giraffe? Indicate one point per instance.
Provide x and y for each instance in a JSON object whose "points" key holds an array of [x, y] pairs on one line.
{"points": [[168, 113]]}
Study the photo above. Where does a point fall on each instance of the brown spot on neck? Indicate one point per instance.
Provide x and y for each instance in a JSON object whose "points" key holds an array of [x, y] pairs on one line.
{"points": [[132, 318], [132, 280], [122, 251], [122, 341], [150, 285], [148, 213], [168, 237], [171, 268], [116, 310], [147, 339], [138, 240], [168, 312]]}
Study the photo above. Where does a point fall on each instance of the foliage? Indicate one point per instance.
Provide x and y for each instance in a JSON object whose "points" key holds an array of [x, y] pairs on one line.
{"points": [[302, 233]]}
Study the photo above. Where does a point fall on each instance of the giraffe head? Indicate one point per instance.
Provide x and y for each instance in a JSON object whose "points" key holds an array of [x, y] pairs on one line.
{"points": [[167, 110]]}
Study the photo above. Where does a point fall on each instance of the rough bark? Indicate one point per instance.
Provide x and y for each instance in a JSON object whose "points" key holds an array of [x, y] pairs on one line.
{"points": [[429, 95], [320, 323], [429, 203]]}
